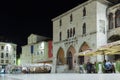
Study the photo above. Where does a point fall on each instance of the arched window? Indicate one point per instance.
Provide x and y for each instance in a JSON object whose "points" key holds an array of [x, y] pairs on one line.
{"points": [[110, 21], [68, 33], [71, 18], [84, 11], [84, 28], [60, 22], [117, 18], [60, 35], [73, 31]]}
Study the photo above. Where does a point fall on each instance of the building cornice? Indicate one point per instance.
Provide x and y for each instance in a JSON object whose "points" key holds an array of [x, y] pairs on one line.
{"points": [[79, 6], [8, 43]]}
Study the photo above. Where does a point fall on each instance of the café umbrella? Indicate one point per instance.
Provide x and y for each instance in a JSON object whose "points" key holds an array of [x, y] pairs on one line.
{"points": [[105, 51], [86, 53]]}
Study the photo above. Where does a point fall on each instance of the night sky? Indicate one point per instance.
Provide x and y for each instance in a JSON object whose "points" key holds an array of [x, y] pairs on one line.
{"points": [[20, 18]]}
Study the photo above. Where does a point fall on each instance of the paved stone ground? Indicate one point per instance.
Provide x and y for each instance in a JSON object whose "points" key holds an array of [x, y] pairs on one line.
{"points": [[3, 77], [68, 76]]}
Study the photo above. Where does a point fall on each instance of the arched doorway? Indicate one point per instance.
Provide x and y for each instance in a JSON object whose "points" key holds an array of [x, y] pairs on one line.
{"points": [[70, 61], [60, 57], [83, 59]]}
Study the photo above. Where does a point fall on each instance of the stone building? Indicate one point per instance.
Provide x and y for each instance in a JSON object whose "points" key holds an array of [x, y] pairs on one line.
{"points": [[7, 54], [37, 50], [85, 27]]}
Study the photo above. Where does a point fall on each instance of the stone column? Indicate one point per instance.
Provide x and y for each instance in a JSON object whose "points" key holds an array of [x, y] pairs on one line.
{"points": [[100, 58], [116, 71], [100, 68], [77, 65], [54, 70]]}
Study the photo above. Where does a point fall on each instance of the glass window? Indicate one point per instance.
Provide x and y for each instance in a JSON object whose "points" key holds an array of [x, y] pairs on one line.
{"points": [[73, 31], [60, 35], [2, 47], [71, 18], [60, 22], [68, 33], [117, 18], [6, 54], [2, 61], [32, 49], [2, 55], [110, 21], [84, 28], [7, 61], [84, 11]]}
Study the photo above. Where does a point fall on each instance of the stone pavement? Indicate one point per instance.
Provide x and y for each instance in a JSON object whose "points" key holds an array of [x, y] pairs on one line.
{"points": [[3, 77], [63, 76]]}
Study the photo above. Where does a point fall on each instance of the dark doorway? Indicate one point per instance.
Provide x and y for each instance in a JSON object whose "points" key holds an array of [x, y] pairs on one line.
{"points": [[69, 61], [81, 59]]}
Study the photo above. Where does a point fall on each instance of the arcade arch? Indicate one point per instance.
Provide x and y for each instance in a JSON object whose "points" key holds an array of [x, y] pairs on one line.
{"points": [[83, 59], [60, 57], [70, 59]]}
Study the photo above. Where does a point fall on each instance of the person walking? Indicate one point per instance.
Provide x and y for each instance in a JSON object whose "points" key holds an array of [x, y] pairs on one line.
{"points": [[89, 67], [81, 68]]}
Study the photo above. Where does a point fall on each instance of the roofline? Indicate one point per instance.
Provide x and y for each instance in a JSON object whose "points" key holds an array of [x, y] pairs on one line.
{"points": [[77, 7], [8, 43]]}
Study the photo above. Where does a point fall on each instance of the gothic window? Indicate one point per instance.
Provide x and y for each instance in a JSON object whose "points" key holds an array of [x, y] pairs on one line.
{"points": [[110, 21], [68, 33], [117, 18], [84, 12], [60, 22], [60, 35], [71, 18], [73, 31], [84, 28]]}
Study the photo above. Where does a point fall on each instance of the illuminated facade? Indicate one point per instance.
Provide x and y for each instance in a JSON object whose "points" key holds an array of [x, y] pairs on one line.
{"points": [[7, 53], [85, 27], [36, 51]]}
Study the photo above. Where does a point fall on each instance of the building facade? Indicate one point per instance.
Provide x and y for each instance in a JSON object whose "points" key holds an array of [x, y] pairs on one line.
{"points": [[36, 51], [7, 54], [82, 28]]}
